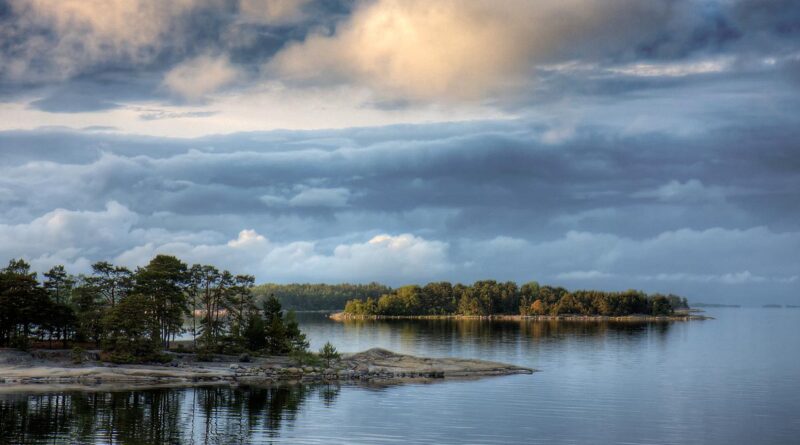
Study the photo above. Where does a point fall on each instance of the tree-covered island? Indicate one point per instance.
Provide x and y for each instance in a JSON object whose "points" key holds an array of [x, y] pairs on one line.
{"points": [[489, 298]]}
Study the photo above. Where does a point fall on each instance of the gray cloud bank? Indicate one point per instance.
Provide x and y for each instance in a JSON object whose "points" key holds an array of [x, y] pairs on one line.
{"points": [[713, 215]]}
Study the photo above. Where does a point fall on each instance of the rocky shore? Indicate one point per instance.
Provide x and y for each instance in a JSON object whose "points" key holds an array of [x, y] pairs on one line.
{"points": [[679, 316], [54, 369]]}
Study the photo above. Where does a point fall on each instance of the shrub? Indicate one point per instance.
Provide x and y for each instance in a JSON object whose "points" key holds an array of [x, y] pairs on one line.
{"points": [[305, 358], [77, 355], [329, 354]]}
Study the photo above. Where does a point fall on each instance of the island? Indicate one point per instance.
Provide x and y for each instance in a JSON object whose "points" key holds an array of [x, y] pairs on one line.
{"points": [[489, 299]]}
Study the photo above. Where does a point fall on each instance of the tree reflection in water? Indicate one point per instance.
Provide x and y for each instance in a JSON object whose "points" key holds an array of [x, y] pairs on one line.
{"points": [[212, 414]]}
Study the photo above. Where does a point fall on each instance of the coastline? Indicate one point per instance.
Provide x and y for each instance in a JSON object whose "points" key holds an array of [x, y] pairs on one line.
{"points": [[52, 371], [341, 316]]}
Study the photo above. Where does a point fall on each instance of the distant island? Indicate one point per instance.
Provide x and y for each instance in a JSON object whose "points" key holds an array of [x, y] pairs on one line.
{"points": [[772, 306], [489, 298], [715, 305], [318, 296]]}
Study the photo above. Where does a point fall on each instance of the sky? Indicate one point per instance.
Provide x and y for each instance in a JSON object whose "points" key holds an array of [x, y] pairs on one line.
{"points": [[609, 144]]}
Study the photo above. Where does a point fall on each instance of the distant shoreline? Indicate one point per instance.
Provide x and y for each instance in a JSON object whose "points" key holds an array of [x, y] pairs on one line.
{"points": [[342, 316]]}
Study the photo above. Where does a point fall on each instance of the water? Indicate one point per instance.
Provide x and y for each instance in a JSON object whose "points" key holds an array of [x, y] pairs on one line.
{"points": [[733, 380]]}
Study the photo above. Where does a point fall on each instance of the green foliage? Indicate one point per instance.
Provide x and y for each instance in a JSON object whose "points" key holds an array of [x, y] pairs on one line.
{"points": [[132, 330], [295, 338], [163, 282], [329, 354], [272, 333], [89, 313], [77, 355], [489, 297], [660, 305], [255, 333], [308, 297], [135, 315], [305, 358], [677, 302], [26, 307]]}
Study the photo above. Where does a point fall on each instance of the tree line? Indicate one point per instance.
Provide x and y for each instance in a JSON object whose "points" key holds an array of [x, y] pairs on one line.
{"points": [[134, 314], [319, 296], [489, 297]]}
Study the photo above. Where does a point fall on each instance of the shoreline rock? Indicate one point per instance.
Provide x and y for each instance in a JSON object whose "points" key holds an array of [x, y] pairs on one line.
{"points": [[22, 371]]}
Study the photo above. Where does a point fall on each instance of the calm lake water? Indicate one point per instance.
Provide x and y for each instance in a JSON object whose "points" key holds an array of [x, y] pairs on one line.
{"points": [[733, 380]]}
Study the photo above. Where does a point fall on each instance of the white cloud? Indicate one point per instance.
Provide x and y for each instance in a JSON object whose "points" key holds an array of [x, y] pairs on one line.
{"points": [[686, 192], [78, 238], [583, 275], [394, 259], [68, 236], [675, 261], [91, 31], [272, 11], [731, 278], [674, 69], [193, 79], [456, 50], [321, 197], [305, 196]]}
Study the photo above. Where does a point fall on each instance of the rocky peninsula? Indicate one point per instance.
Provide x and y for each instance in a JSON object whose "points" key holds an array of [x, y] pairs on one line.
{"points": [[55, 369]]}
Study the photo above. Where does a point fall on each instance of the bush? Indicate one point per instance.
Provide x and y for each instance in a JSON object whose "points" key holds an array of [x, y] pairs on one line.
{"points": [[204, 356], [305, 358], [126, 358], [21, 342], [329, 354], [77, 355]]}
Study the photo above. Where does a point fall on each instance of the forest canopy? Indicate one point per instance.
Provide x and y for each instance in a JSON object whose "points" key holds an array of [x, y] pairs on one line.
{"points": [[316, 297], [135, 314], [489, 297]]}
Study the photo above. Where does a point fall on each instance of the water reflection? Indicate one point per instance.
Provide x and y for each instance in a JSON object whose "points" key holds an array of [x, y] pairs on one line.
{"points": [[190, 415], [407, 333], [732, 381]]}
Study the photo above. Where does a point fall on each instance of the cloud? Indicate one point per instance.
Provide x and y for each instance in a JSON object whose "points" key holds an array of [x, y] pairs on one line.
{"points": [[675, 69], [683, 258], [310, 197], [455, 49], [583, 275], [387, 258], [68, 235], [731, 278], [193, 79], [273, 11], [406, 54], [499, 202], [78, 238], [58, 40], [321, 197], [690, 191]]}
